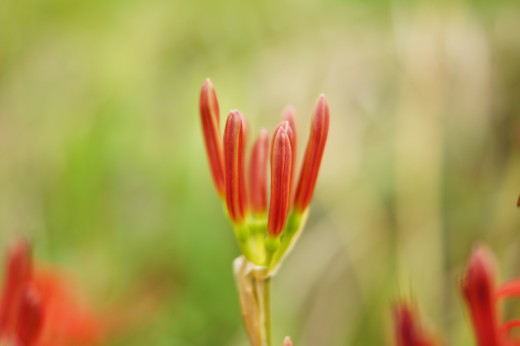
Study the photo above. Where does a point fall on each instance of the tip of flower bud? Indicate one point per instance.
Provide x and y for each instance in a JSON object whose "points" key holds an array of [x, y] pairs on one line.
{"points": [[210, 119], [313, 154], [30, 319], [258, 174], [281, 166], [234, 166], [408, 330], [518, 202], [478, 288], [480, 272], [287, 341]]}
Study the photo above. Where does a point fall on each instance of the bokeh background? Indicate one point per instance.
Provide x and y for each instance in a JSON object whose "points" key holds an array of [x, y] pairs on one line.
{"points": [[103, 165]]}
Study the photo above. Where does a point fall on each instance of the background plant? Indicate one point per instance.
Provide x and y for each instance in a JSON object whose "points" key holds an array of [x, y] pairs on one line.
{"points": [[103, 167]]}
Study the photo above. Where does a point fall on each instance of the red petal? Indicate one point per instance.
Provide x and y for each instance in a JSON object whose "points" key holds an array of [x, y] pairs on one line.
{"points": [[67, 321], [509, 289]]}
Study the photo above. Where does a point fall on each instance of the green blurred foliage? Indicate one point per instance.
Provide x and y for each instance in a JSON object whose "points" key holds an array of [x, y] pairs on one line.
{"points": [[103, 164]]}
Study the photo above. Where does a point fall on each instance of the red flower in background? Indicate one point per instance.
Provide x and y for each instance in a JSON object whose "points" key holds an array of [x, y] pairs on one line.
{"points": [[408, 330], [37, 307], [482, 298]]}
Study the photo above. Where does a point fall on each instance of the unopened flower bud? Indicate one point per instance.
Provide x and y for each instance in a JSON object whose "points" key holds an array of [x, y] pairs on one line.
{"points": [[17, 275], [281, 162], [30, 319], [478, 288], [313, 155], [258, 174], [210, 117], [234, 166]]}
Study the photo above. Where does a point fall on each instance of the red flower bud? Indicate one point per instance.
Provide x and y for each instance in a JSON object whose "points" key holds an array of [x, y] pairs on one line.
{"points": [[258, 174], [287, 341], [281, 162], [30, 319], [17, 275], [518, 202], [408, 330], [209, 115], [288, 115], [478, 289], [313, 155], [234, 166]]}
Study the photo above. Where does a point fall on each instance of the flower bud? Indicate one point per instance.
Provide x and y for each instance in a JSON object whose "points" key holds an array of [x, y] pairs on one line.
{"points": [[258, 174], [234, 166], [288, 115], [17, 275], [30, 319], [281, 162], [408, 330], [287, 341], [313, 154], [210, 117], [478, 289]]}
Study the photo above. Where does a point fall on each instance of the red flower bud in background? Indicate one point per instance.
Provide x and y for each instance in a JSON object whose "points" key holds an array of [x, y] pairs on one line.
{"points": [[258, 174], [408, 330], [518, 202], [281, 162], [478, 289], [287, 341], [210, 117], [30, 319], [17, 275], [38, 309], [234, 166], [313, 155]]}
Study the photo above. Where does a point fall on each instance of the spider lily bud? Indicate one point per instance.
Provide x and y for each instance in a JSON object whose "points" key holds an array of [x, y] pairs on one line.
{"points": [[209, 115], [258, 174], [17, 275], [479, 292], [288, 115], [287, 341], [408, 331], [313, 155], [281, 162], [30, 318], [234, 167]]}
